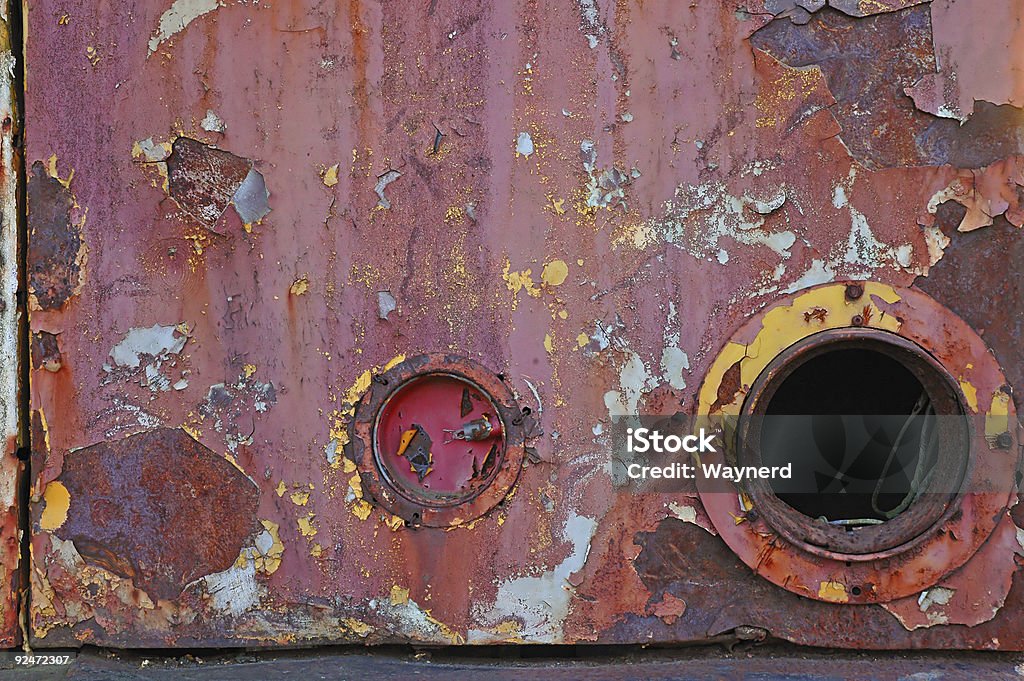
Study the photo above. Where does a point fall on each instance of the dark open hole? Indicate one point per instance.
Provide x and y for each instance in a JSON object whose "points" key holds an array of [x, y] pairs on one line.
{"points": [[858, 427]]}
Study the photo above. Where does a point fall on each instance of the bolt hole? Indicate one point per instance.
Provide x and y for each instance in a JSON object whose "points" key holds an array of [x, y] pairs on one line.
{"points": [[855, 591]]}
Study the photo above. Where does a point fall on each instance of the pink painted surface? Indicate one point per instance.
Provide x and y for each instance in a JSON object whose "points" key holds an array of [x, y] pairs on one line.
{"points": [[588, 199]]}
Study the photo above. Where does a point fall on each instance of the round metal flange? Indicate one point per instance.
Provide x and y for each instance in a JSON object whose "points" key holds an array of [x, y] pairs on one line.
{"points": [[938, 492], [933, 537], [438, 440]]}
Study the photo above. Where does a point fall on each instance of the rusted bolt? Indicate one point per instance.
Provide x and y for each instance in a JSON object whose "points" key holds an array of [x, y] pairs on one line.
{"points": [[854, 291], [1004, 441], [857, 320]]}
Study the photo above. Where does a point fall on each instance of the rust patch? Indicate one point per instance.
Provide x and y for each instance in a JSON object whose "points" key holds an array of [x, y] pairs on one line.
{"points": [[205, 180], [818, 314], [975, 280], [986, 193], [45, 351], [158, 508], [730, 386], [868, 64], [56, 251]]}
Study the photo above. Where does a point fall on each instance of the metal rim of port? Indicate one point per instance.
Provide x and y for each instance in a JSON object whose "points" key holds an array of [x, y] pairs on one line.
{"points": [[989, 481], [893, 536], [379, 488], [394, 481]]}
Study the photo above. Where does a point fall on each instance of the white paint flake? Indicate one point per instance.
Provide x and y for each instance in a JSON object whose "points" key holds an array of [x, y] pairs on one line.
{"points": [[524, 145], [180, 14], [540, 604]]}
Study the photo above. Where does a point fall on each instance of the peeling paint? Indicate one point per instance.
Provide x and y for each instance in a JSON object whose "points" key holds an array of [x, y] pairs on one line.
{"points": [[179, 15], [698, 217], [57, 253], [540, 604], [383, 181], [158, 508]]}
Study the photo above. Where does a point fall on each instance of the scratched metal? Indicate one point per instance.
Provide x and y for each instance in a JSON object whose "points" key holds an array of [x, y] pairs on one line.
{"points": [[244, 214]]}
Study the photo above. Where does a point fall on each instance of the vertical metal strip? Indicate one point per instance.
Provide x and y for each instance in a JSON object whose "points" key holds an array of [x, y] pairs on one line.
{"points": [[11, 468]]}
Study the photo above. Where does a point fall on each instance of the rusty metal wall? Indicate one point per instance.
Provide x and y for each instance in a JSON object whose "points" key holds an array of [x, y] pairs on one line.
{"points": [[243, 215]]}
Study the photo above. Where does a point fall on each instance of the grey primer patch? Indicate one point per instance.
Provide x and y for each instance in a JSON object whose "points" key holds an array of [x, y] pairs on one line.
{"points": [[156, 341], [252, 198], [382, 182], [214, 123], [386, 304]]}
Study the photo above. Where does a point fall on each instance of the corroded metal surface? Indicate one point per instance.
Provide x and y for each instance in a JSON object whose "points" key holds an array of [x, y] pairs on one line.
{"points": [[242, 214]]}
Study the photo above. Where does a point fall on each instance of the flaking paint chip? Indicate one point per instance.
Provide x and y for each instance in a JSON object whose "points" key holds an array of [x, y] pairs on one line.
{"points": [[386, 304], [524, 145], [213, 123], [330, 176], [554, 273]]}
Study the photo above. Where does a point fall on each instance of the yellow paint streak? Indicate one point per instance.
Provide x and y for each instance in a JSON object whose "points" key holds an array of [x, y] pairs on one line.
{"points": [[270, 562], [554, 273], [358, 628], [519, 281], [970, 394], [399, 595], [393, 362], [833, 592], [356, 390], [306, 528], [453, 636], [582, 340], [997, 418], [407, 437], [248, 370], [786, 324], [281, 489], [330, 176], [58, 501], [299, 498], [548, 344], [508, 630], [361, 509], [299, 286], [316, 551]]}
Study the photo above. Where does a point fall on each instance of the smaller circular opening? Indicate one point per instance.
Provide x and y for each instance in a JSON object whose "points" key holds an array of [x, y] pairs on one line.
{"points": [[439, 439], [875, 435]]}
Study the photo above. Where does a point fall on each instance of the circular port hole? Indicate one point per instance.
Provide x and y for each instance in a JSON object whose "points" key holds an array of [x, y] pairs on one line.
{"points": [[439, 439], [875, 433]]}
